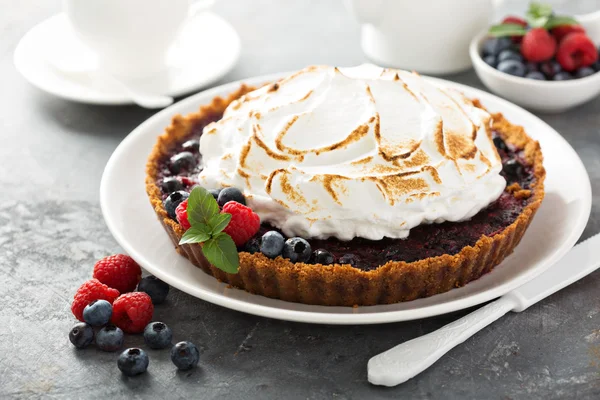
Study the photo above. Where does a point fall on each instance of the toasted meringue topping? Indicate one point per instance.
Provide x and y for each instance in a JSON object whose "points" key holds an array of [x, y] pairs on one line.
{"points": [[354, 152]]}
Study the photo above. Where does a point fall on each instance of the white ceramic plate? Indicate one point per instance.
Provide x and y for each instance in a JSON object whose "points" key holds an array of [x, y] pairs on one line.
{"points": [[557, 226], [197, 58]]}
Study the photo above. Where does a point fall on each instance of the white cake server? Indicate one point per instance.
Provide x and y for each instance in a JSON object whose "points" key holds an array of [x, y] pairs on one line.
{"points": [[409, 359]]}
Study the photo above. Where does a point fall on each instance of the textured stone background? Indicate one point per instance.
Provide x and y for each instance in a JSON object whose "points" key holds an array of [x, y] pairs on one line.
{"points": [[52, 153]]}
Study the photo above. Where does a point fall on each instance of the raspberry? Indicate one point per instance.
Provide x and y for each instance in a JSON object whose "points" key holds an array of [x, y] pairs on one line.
{"points": [[538, 45], [518, 21], [132, 312], [511, 19], [244, 222], [181, 213], [575, 51], [118, 271], [561, 31], [90, 291], [187, 181]]}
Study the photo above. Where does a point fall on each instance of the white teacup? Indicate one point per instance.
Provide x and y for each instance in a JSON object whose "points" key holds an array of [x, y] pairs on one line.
{"points": [[130, 37], [429, 36]]}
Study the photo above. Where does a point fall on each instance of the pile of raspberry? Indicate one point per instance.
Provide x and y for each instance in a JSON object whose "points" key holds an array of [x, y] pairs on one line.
{"points": [[119, 300], [115, 279]]}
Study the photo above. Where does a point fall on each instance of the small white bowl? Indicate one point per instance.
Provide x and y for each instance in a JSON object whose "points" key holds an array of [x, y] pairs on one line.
{"points": [[545, 96]]}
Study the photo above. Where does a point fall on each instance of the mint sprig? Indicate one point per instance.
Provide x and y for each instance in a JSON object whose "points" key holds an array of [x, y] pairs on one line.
{"points": [[201, 206], [539, 15], [196, 234], [207, 224], [218, 222], [560, 20], [507, 30], [221, 252]]}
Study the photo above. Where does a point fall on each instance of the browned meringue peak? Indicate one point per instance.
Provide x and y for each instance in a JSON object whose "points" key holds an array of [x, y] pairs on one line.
{"points": [[376, 150]]}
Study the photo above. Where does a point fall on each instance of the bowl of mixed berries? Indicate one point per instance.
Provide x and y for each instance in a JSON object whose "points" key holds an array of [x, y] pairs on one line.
{"points": [[542, 61]]}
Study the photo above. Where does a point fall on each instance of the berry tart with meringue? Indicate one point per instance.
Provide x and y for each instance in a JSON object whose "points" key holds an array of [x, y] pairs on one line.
{"points": [[345, 186]]}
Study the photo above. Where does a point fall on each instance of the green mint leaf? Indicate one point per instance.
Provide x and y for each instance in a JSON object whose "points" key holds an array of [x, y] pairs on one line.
{"points": [[221, 252], [201, 206], [199, 233], [537, 9], [507, 30], [538, 14], [560, 20], [218, 222], [538, 22]]}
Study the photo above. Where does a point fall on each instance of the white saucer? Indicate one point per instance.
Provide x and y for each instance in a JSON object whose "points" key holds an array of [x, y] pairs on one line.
{"points": [[207, 49], [555, 229]]}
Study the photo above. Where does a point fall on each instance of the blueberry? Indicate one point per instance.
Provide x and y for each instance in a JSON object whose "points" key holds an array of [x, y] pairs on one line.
{"points": [[322, 256], [193, 146], [550, 68], [296, 250], [537, 75], [170, 185], [215, 193], [512, 169], [596, 66], [133, 361], [509, 54], [182, 161], [493, 46], [109, 338], [173, 200], [97, 313], [512, 67], [349, 259], [271, 244], [231, 194], [583, 72], [253, 245], [81, 335], [499, 143], [490, 60], [185, 355], [532, 66], [157, 335], [155, 288], [562, 76]]}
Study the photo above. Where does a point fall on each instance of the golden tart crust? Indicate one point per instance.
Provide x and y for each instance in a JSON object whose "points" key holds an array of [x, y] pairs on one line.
{"points": [[344, 285]]}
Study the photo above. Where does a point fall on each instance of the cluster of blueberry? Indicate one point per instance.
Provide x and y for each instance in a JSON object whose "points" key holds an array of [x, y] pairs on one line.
{"points": [[272, 244], [110, 338], [501, 53]]}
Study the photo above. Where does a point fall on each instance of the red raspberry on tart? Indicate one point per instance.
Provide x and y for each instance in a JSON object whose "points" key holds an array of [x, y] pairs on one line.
{"points": [[181, 212], [433, 258], [244, 223]]}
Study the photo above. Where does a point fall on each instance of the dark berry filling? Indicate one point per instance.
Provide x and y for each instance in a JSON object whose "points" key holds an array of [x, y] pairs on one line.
{"points": [[424, 241]]}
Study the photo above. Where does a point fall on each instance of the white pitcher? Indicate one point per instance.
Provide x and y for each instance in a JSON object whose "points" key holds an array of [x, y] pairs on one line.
{"points": [[429, 36]]}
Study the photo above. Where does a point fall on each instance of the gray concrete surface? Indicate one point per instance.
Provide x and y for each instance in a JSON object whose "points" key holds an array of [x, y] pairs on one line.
{"points": [[52, 153]]}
